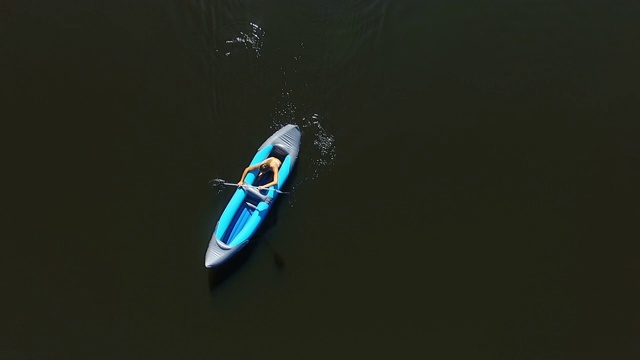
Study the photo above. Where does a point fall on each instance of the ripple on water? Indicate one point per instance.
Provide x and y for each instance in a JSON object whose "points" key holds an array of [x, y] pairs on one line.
{"points": [[318, 145], [249, 39]]}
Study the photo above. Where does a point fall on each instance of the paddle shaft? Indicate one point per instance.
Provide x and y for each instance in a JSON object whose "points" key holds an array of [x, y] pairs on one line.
{"points": [[232, 184]]}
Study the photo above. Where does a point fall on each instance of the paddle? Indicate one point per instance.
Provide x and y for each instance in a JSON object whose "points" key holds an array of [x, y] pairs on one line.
{"points": [[217, 182], [276, 257]]}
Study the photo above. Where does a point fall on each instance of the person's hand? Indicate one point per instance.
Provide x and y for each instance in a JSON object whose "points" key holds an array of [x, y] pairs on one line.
{"points": [[260, 188], [240, 183]]}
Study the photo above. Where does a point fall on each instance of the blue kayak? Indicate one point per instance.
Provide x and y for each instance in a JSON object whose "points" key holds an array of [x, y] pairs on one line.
{"points": [[248, 207]]}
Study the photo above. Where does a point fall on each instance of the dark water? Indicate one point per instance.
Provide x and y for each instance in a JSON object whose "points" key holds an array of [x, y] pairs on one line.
{"points": [[467, 186]]}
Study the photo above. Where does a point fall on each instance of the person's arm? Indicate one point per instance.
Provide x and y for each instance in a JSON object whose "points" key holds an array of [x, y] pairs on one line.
{"points": [[274, 181], [245, 172]]}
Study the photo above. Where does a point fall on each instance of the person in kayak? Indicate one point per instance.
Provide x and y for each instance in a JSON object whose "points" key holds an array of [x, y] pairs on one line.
{"points": [[270, 164]]}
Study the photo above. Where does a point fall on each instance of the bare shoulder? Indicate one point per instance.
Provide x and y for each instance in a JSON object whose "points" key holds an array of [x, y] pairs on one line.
{"points": [[276, 162]]}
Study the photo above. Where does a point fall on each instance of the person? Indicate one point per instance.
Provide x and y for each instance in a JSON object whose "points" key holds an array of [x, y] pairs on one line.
{"points": [[270, 164]]}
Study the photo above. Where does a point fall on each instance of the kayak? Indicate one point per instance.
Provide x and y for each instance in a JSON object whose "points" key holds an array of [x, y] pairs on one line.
{"points": [[248, 207]]}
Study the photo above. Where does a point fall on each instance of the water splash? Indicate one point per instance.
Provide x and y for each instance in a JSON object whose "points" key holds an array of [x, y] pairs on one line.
{"points": [[323, 145], [251, 40], [318, 146]]}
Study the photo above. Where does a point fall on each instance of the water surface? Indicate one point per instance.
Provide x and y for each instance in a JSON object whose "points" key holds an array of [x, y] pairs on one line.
{"points": [[466, 187]]}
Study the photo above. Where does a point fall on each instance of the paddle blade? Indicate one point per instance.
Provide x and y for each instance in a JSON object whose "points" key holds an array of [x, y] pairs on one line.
{"points": [[216, 182], [278, 260]]}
